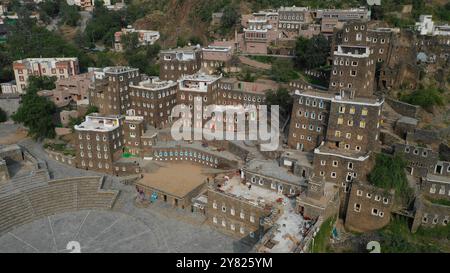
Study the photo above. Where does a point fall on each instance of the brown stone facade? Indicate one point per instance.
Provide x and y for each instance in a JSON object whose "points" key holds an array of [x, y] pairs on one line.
{"points": [[429, 215], [236, 216], [354, 70], [369, 208], [110, 90], [309, 121], [99, 142], [175, 63], [419, 159], [354, 125], [153, 99]]}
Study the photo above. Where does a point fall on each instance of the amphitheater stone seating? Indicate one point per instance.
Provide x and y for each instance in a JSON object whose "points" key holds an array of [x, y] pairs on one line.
{"points": [[27, 203]]}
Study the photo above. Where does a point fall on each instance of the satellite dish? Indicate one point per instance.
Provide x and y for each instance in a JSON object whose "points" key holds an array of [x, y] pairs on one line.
{"points": [[373, 2]]}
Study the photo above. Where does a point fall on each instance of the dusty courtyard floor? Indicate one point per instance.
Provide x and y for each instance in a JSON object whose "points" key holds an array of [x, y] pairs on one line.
{"points": [[109, 231], [176, 179]]}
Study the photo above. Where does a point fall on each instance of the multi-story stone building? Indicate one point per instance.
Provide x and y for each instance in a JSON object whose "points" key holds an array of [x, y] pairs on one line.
{"points": [[99, 142], [216, 58], [359, 33], [110, 89], [238, 213], [362, 14], [153, 99], [291, 20], [351, 124], [174, 63], [420, 160], [51, 67], [353, 70], [195, 92]]}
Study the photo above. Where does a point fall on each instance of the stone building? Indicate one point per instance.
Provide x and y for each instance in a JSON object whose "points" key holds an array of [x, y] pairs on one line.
{"points": [[369, 208], [110, 90], [352, 124], [70, 90], [320, 199], [153, 99], [51, 67], [175, 63], [99, 142], [239, 210], [291, 20], [217, 58], [362, 14], [267, 174], [420, 159], [194, 93], [354, 70]]}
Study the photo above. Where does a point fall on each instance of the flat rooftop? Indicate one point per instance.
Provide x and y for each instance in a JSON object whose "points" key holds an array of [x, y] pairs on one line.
{"points": [[99, 123], [271, 169], [154, 84], [119, 69], [438, 178], [254, 194], [177, 179], [303, 158]]}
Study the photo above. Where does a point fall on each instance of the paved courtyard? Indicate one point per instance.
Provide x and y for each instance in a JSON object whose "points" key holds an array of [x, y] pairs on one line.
{"points": [[109, 231]]}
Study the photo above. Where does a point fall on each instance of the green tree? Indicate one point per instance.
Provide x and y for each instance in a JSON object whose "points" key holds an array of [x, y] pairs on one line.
{"points": [[282, 98], [181, 42], [36, 113], [130, 41], [229, 18], [389, 173], [311, 53], [69, 14], [283, 71], [424, 97]]}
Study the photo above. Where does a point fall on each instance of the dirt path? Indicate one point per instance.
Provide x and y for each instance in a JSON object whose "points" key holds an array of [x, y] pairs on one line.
{"points": [[253, 63]]}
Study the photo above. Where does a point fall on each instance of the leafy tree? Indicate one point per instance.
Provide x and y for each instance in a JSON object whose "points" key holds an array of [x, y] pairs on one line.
{"points": [[283, 71], [69, 14], [36, 112], [195, 40], [103, 25], [282, 98], [130, 41], [389, 173], [246, 76], [229, 18], [424, 97], [311, 53], [91, 109], [27, 40], [3, 115], [181, 42], [153, 51], [41, 83]]}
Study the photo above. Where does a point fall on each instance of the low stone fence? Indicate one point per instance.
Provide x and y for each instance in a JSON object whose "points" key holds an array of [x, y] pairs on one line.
{"points": [[403, 108], [65, 159]]}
